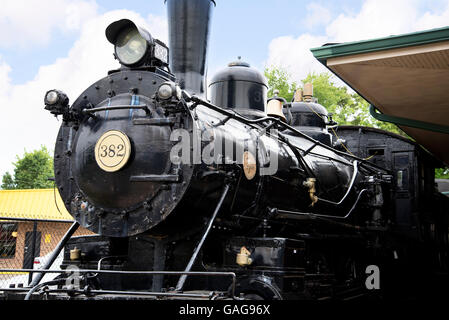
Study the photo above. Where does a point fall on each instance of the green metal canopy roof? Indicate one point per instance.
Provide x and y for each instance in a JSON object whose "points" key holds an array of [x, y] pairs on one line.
{"points": [[391, 42], [405, 77]]}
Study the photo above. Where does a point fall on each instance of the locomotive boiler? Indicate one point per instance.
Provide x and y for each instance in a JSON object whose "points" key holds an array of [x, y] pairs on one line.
{"points": [[233, 183]]}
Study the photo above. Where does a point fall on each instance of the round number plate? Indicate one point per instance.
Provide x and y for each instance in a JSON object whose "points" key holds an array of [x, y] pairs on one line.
{"points": [[112, 151]]}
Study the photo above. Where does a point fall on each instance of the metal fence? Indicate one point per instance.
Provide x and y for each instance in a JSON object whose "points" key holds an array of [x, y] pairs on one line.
{"points": [[27, 244]]}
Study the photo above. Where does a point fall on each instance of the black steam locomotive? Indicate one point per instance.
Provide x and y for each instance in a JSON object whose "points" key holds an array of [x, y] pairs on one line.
{"points": [[233, 195]]}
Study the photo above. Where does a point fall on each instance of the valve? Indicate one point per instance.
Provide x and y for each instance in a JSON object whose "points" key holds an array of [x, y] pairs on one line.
{"points": [[243, 258], [310, 183]]}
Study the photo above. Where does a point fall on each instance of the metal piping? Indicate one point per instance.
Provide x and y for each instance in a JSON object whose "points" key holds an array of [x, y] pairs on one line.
{"points": [[38, 286], [117, 107], [149, 294], [129, 293], [37, 220], [194, 273], [252, 123], [108, 257], [313, 215], [183, 278], [354, 175], [55, 253]]}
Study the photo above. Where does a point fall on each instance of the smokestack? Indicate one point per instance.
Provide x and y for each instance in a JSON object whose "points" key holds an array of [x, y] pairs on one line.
{"points": [[188, 25]]}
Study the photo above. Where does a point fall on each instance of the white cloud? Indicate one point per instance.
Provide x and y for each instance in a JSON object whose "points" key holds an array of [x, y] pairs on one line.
{"points": [[27, 23], [24, 124], [377, 18], [158, 27], [431, 20], [316, 15], [5, 69], [293, 55]]}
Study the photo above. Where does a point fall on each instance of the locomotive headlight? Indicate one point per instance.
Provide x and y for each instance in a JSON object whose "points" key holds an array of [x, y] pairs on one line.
{"points": [[169, 90], [51, 97], [130, 47], [56, 102], [56, 97], [165, 91], [134, 46]]}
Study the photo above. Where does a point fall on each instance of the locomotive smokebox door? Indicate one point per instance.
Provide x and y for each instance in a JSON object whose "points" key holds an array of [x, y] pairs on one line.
{"points": [[123, 144]]}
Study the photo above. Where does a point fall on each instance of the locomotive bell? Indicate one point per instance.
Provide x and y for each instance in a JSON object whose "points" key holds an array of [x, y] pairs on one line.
{"points": [[275, 106], [240, 87]]}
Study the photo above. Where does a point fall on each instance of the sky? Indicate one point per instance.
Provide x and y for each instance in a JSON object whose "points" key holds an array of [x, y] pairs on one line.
{"points": [[60, 44]]}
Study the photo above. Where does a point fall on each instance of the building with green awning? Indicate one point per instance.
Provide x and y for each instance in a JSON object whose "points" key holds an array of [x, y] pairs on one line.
{"points": [[404, 77]]}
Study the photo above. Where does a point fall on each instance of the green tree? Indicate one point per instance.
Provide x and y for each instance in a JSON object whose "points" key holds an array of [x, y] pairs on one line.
{"points": [[31, 171], [442, 173], [280, 79], [8, 182], [346, 108]]}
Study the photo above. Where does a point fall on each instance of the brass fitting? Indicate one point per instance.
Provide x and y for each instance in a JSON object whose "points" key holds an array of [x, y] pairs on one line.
{"points": [[298, 95], [310, 183], [275, 105], [75, 254], [308, 92], [243, 258]]}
